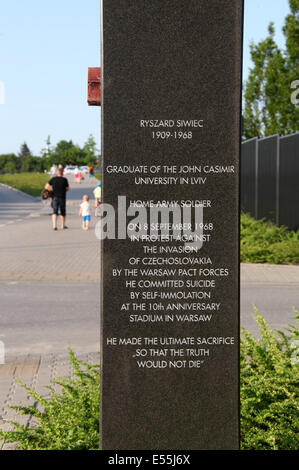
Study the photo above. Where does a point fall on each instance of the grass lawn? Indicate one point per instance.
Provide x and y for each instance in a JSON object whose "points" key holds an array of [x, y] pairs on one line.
{"points": [[30, 183]]}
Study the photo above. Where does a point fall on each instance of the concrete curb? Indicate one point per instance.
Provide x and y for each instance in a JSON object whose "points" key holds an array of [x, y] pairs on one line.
{"points": [[89, 277], [71, 203], [32, 198]]}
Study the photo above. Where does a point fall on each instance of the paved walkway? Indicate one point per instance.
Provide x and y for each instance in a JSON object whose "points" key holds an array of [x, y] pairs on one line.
{"points": [[22, 205], [269, 274], [30, 250], [274, 290], [50, 284]]}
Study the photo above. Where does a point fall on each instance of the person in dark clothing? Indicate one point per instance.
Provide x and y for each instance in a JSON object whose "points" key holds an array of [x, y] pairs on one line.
{"points": [[90, 172], [60, 186]]}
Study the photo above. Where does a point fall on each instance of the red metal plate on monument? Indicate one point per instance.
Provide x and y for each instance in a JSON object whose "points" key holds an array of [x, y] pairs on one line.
{"points": [[94, 86]]}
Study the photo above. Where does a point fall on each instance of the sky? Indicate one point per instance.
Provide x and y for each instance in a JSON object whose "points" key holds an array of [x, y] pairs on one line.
{"points": [[46, 48]]}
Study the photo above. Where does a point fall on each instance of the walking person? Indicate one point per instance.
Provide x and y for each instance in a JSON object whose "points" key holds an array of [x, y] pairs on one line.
{"points": [[60, 186], [76, 174], [53, 170], [84, 212], [90, 172], [97, 192]]}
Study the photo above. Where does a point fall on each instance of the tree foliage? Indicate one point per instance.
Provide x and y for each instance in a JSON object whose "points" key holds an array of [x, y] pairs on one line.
{"points": [[64, 153], [268, 107], [68, 420], [24, 151]]}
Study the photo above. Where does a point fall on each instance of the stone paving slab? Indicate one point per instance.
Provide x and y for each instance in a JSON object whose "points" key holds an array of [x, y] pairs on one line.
{"points": [[20, 366], [31, 250], [269, 274]]}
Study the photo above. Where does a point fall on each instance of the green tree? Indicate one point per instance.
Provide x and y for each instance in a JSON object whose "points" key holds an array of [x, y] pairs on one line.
{"points": [[9, 167], [67, 153], [24, 151], [90, 151], [48, 150], [25, 159], [268, 108], [90, 147], [9, 163], [40, 165], [27, 164]]}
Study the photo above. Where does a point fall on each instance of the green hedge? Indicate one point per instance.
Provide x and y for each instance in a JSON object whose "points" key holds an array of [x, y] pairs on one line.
{"points": [[269, 388], [69, 420], [264, 242]]}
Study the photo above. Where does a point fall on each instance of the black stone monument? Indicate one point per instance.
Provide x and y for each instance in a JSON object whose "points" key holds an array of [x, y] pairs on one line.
{"points": [[170, 288]]}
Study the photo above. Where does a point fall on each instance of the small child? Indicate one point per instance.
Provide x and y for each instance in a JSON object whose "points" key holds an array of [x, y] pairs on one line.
{"points": [[84, 212], [97, 192]]}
